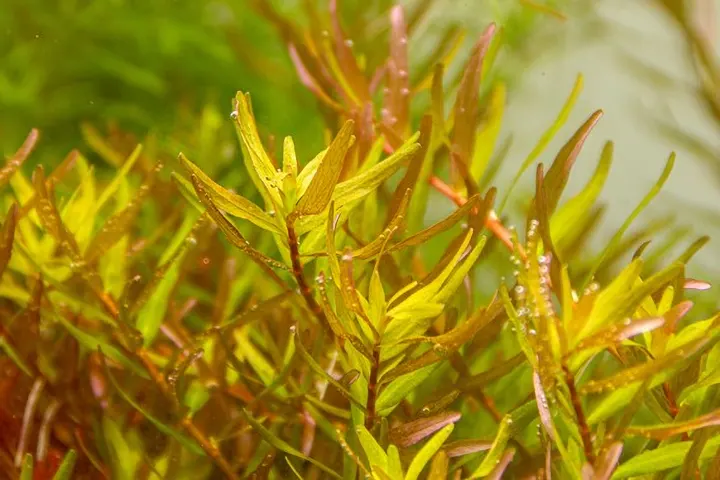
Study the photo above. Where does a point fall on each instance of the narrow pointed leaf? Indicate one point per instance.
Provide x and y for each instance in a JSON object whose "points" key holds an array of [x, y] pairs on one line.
{"points": [[229, 202], [14, 163], [280, 444], [318, 194], [427, 452], [413, 432]]}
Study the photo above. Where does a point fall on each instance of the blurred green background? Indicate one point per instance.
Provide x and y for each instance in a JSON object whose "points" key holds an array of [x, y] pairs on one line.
{"points": [[152, 66]]}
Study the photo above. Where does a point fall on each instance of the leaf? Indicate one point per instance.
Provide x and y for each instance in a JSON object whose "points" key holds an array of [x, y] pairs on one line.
{"points": [[662, 458], [231, 232], [7, 235], [447, 343], [427, 451], [16, 161], [487, 136], [13, 354], [497, 449], [26, 473], [119, 177], [439, 227], [559, 172], [410, 433], [615, 334], [439, 466], [367, 181], [415, 167], [93, 343], [229, 202], [312, 363], [280, 444], [467, 101], [562, 222], [670, 361], [65, 470], [466, 447], [616, 239], [395, 225], [322, 186], [620, 299], [397, 390], [545, 139], [120, 223], [375, 454], [186, 442], [257, 161], [662, 432]]}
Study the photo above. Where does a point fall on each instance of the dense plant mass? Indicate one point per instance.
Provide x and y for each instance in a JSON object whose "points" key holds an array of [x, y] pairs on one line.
{"points": [[159, 325]]}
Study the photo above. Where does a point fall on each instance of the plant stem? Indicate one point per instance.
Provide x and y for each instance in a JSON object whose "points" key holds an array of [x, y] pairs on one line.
{"points": [[492, 223], [372, 388], [297, 271], [577, 406]]}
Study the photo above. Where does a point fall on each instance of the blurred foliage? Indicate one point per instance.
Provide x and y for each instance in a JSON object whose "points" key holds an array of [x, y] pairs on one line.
{"points": [[150, 67], [301, 316]]}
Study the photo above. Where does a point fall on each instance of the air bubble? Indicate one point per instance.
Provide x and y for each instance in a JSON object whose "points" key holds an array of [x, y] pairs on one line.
{"points": [[403, 40], [349, 43], [234, 115], [532, 332], [405, 91], [519, 290]]}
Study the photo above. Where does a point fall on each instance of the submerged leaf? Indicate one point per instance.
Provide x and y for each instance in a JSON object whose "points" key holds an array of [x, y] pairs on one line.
{"points": [[322, 186], [410, 433], [14, 163], [231, 202], [280, 444], [7, 235]]}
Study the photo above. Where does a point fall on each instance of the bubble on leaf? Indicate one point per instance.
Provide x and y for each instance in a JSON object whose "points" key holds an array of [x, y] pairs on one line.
{"points": [[349, 43]]}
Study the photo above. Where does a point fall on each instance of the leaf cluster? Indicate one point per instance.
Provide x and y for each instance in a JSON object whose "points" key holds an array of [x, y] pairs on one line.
{"points": [[312, 324]]}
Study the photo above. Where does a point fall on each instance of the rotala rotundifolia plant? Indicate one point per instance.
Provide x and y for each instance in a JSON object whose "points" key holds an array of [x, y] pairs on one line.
{"points": [[173, 328]]}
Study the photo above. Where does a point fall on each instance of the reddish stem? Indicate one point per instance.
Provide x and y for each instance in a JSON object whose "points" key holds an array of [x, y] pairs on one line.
{"points": [[492, 223]]}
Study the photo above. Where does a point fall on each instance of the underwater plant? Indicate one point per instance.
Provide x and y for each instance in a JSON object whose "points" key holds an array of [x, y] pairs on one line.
{"points": [[313, 323]]}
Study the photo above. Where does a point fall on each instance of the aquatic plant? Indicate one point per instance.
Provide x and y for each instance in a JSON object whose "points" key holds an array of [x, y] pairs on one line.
{"points": [[311, 323]]}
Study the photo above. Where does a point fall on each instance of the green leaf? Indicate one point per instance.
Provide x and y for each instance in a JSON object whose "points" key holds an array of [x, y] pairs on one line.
{"points": [[398, 389], [229, 202], [152, 314], [257, 162], [394, 464], [427, 451], [27, 467], [487, 136], [545, 139], [65, 470], [119, 177], [93, 343], [186, 442], [322, 186], [280, 444], [6, 347], [375, 454], [662, 458], [497, 449], [439, 466], [563, 221], [617, 238], [231, 232], [439, 227]]}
